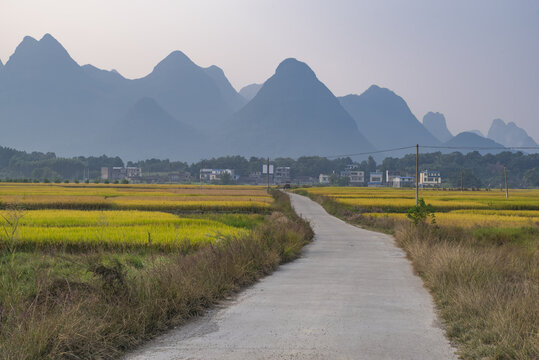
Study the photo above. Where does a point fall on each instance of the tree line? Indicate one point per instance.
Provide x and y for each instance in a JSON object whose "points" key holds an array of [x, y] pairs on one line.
{"points": [[472, 169]]}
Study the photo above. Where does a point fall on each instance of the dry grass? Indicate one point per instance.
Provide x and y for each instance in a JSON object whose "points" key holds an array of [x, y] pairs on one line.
{"points": [[487, 294], [62, 305], [484, 280]]}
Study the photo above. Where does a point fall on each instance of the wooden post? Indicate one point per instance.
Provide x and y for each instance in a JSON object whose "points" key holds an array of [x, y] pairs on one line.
{"points": [[506, 188], [268, 171], [417, 175]]}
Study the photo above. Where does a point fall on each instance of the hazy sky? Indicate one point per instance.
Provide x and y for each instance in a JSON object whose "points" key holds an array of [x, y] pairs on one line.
{"points": [[471, 60]]}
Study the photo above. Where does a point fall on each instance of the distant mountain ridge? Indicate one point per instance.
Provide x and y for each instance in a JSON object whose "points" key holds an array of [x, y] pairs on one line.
{"points": [[509, 134], [294, 114], [148, 131], [473, 142], [183, 111], [436, 125], [386, 120], [72, 107], [249, 91]]}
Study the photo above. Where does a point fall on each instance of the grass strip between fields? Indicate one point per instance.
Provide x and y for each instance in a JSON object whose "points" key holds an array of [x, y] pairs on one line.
{"points": [[484, 280]]}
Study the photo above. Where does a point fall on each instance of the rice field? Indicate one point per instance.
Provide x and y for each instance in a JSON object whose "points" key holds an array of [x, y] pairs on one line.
{"points": [[136, 197], [469, 220], [165, 217], [465, 209]]}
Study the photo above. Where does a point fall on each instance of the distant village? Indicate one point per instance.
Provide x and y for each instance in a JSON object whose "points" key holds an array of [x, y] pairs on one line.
{"points": [[349, 176]]}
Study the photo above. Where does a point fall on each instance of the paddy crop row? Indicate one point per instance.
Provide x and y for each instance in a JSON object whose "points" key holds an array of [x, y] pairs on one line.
{"points": [[399, 200], [135, 197], [471, 219], [122, 229]]}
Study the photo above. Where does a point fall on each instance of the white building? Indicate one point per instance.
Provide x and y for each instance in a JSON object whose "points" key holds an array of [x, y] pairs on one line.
{"points": [[402, 181], [281, 174], [356, 177], [323, 179], [216, 174], [120, 173], [430, 178], [376, 178]]}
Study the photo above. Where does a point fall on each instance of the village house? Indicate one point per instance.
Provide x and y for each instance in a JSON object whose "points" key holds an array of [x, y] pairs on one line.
{"points": [[430, 178], [394, 179], [355, 176], [216, 174], [376, 178], [281, 175], [120, 173], [323, 179]]}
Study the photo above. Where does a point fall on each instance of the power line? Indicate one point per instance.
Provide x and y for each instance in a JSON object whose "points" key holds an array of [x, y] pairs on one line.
{"points": [[371, 152], [482, 147], [436, 147]]}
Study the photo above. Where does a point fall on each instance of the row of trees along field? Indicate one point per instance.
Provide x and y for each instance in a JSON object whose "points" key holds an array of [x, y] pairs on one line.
{"points": [[474, 169]]}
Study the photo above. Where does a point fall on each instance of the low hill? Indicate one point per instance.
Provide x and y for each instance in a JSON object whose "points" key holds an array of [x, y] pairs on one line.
{"points": [[469, 141]]}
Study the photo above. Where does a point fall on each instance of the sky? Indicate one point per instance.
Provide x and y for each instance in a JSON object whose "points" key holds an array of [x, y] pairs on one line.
{"points": [[472, 60]]}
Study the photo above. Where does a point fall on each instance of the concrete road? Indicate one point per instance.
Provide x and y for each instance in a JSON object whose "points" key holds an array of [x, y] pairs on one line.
{"points": [[352, 295]]}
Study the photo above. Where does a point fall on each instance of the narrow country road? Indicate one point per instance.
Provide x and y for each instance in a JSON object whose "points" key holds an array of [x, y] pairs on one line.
{"points": [[352, 295]]}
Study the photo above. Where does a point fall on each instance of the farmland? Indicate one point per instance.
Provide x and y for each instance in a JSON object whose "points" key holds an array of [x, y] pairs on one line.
{"points": [[477, 255], [135, 197], [90, 270]]}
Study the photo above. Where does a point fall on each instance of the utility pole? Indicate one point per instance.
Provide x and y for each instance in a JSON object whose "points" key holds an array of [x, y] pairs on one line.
{"points": [[506, 189], [268, 171], [461, 182], [416, 175]]}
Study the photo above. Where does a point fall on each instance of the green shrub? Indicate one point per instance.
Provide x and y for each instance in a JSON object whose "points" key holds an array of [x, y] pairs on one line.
{"points": [[419, 214]]}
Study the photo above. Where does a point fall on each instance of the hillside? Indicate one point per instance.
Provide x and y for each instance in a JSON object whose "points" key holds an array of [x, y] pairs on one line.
{"points": [[436, 125], [68, 107], [293, 114], [470, 141], [509, 134], [250, 91], [386, 120]]}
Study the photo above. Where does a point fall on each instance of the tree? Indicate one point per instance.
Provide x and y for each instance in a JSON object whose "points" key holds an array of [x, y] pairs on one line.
{"points": [[226, 179]]}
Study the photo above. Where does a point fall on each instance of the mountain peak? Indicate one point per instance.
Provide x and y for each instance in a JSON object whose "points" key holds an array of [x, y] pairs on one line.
{"points": [[43, 56], [509, 134], [293, 67], [378, 91], [385, 118], [48, 37], [437, 126], [174, 61], [293, 81], [215, 70]]}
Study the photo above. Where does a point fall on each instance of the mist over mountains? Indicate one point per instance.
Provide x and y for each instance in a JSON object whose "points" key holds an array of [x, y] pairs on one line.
{"points": [[183, 111]]}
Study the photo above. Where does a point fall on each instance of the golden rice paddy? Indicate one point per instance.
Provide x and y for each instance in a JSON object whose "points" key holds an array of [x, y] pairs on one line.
{"points": [[115, 216], [453, 208], [133, 197]]}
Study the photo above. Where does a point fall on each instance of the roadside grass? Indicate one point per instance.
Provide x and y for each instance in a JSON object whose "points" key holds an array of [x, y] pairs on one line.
{"points": [[484, 280], [59, 304]]}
